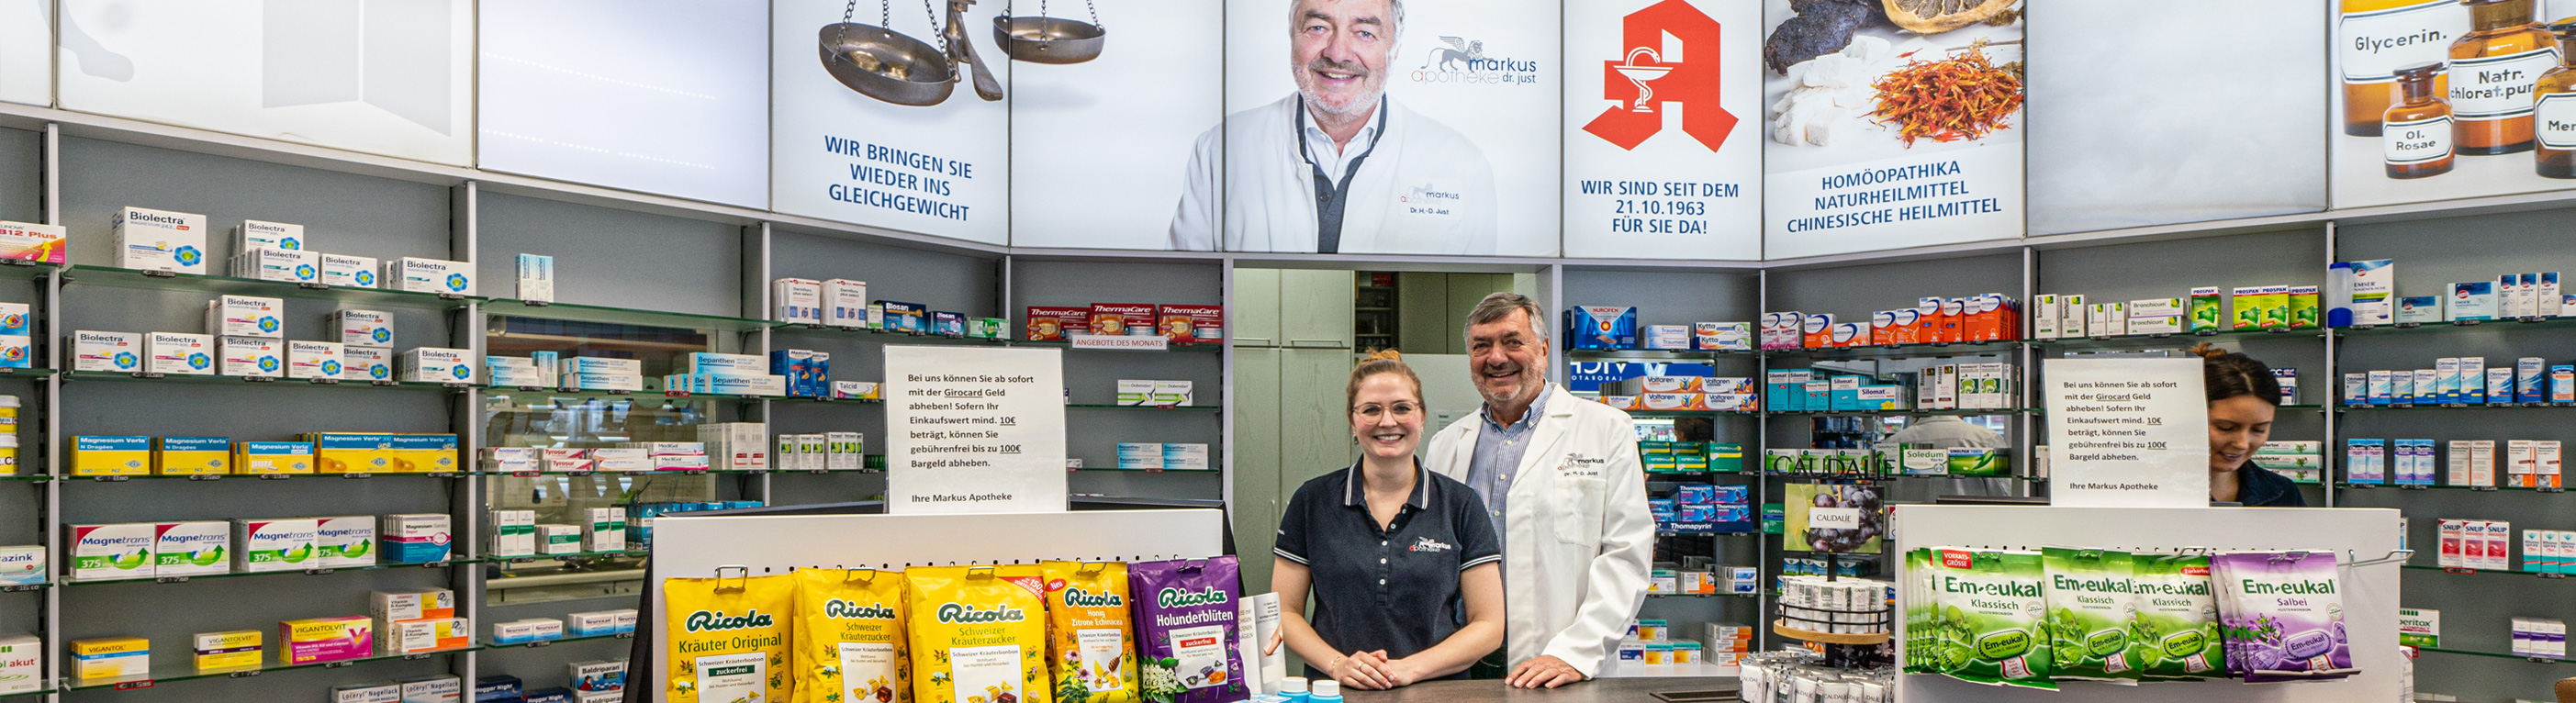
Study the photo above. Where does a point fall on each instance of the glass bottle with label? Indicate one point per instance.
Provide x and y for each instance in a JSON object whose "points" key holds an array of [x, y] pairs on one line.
{"points": [[2493, 68], [2416, 139], [2553, 112], [2375, 36]]}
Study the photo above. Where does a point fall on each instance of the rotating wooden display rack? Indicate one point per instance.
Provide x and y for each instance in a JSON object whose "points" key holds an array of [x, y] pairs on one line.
{"points": [[1842, 650]]}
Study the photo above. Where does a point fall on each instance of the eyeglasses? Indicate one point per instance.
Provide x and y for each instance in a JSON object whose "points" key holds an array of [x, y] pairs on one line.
{"points": [[1374, 411]]}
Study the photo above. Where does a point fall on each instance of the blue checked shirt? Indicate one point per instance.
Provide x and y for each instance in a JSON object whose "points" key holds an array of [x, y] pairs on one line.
{"points": [[1498, 454]]}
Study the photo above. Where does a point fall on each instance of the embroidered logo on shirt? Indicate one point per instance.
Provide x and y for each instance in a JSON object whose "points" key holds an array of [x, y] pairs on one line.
{"points": [[1427, 544], [1580, 465]]}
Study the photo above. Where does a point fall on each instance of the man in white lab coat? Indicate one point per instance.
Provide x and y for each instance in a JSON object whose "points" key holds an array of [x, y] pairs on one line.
{"points": [[1337, 167], [1561, 478]]}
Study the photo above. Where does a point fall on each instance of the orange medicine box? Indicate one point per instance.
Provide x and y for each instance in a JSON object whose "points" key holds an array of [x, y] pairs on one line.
{"points": [[1954, 320], [1927, 320], [1817, 331], [1049, 323], [1192, 323], [1122, 318]]}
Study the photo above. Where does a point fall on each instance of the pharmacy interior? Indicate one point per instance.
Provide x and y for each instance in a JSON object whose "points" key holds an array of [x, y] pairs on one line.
{"points": [[488, 357]]}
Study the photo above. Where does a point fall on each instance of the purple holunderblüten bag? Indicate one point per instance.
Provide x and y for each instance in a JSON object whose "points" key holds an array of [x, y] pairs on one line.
{"points": [[2281, 615], [1186, 630]]}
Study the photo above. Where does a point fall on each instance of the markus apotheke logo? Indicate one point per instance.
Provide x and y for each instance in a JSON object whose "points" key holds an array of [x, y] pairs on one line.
{"points": [[1463, 60], [1646, 81]]}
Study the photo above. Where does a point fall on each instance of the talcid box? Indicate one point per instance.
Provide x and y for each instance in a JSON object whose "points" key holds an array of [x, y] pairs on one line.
{"points": [[154, 240]]}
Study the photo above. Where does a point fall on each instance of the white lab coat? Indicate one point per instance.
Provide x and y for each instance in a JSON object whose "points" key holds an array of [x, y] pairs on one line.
{"points": [[1425, 190], [1577, 537]]}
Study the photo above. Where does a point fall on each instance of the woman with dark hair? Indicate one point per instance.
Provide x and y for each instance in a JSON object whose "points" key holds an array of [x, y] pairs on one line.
{"points": [[2242, 398]]}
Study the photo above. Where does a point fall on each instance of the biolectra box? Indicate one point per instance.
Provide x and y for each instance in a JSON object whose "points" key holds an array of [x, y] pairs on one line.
{"points": [[421, 275], [364, 328], [366, 364], [345, 271], [245, 316], [178, 353], [154, 240], [107, 351], [251, 356], [270, 235]]}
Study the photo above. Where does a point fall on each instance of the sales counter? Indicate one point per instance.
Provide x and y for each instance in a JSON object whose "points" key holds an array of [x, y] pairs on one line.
{"points": [[1613, 690]]}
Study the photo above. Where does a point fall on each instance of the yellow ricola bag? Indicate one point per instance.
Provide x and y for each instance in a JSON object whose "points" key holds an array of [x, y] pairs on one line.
{"points": [[728, 636], [978, 634], [1091, 645], [850, 645]]}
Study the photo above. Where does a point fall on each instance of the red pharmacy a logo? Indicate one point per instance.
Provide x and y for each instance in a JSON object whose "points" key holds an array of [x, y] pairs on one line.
{"points": [[1645, 81]]}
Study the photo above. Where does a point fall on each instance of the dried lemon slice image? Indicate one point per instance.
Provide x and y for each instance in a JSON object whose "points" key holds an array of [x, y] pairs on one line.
{"points": [[1937, 16]]}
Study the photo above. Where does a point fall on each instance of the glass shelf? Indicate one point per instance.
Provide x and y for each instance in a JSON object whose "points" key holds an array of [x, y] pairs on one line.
{"points": [[1702, 595], [30, 478], [2563, 322], [2498, 655], [2479, 406], [2177, 341], [1892, 413], [42, 687], [489, 646], [209, 478], [1655, 354], [321, 572], [1095, 406], [1173, 346], [2395, 487], [1692, 413], [1141, 471], [1885, 477], [511, 307], [2493, 572], [238, 381], [23, 270], [30, 374], [226, 285], [862, 333], [506, 562], [183, 674], [1902, 351]]}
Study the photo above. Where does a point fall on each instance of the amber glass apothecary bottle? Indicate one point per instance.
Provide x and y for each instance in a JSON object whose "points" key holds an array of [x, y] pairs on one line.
{"points": [[2492, 71], [2416, 137], [2553, 110], [2375, 36]]}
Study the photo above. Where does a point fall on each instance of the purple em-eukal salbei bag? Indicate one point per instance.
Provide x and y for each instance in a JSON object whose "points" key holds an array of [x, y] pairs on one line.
{"points": [[2281, 615]]}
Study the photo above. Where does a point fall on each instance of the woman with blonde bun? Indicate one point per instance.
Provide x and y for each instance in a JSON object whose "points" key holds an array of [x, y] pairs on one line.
{"points": [[1403, 564]]}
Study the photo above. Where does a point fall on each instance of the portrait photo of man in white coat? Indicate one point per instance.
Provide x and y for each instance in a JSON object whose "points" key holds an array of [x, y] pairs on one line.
{"points": [[1337, 166]]}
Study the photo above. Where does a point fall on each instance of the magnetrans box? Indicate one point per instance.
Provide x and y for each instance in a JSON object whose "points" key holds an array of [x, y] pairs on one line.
{"points": [[121, 352], [154, 240], [178, 353], [184, 456], [421, 275], [364, 328], [191, 549], [270, 235], [111, 552], [275, 545], [27, 241], [345, 541], [345, 271]]}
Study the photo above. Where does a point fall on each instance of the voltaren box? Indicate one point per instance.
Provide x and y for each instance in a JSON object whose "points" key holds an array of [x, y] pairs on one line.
{"points": [[155, 240], [420, 275], [27, 241], [345, 271], [179, 353], [796, 300], [192, 457]]}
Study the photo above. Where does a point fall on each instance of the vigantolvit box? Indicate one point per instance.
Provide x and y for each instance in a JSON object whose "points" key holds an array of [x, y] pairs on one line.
{"points": [[845, 302], [277, 265], [537, 278], [345, 271], [245, 316], [434, 365], [179, 353], [326, 639], [364, 328], [251, 356], [27, 241], [345, 540], [107, 351], [111, 552], [154, 240], [798, 300], [313, 359], [275, 545], [238, 649], [419, 275], [191, 549], [366, 364], [255, 234]]}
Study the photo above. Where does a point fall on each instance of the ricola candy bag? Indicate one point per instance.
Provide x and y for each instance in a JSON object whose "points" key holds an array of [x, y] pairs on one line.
{"points": [[2175, 634], [2281, 615], [2090, 609], [1991, 617], [1091, 646], [850, 645], [1186, 630], [978, 634], [728, 636]]}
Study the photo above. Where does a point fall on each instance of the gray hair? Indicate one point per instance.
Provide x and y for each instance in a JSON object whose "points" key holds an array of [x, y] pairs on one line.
{"points": [[1500, 305], [1394, 10]]}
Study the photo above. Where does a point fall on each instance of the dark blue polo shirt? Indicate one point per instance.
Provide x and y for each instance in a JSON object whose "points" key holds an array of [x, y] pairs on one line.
{"points": [[1396, 588]]}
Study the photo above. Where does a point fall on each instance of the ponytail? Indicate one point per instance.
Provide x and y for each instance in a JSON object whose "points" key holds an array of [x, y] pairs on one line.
{"points": [[2229, 374]]}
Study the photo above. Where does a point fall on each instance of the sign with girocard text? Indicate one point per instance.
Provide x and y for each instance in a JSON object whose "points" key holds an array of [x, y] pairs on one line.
{"points": [[2127, 433], [974, 430]]}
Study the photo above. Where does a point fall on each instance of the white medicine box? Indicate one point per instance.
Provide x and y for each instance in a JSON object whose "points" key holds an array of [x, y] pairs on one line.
{"points": [[254, 234], [344, 271], [121, 352], [364, 328], [251, 356], [156, 240], [419, 275], [313, 359], [279, 265], [246, 316], [435, 365], [179, 353]]}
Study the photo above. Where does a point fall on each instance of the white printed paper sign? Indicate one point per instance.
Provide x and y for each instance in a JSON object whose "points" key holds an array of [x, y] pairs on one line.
{"points": [[2128, 433], [974, 430]]}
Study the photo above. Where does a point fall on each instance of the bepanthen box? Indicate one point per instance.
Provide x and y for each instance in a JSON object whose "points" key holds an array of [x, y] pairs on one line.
{"points": [[344, 271], [423, 275], [536, 277], [179, 353], [155, 240], [245, 316], [28, 241], [121, 352], [255, 234]]}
